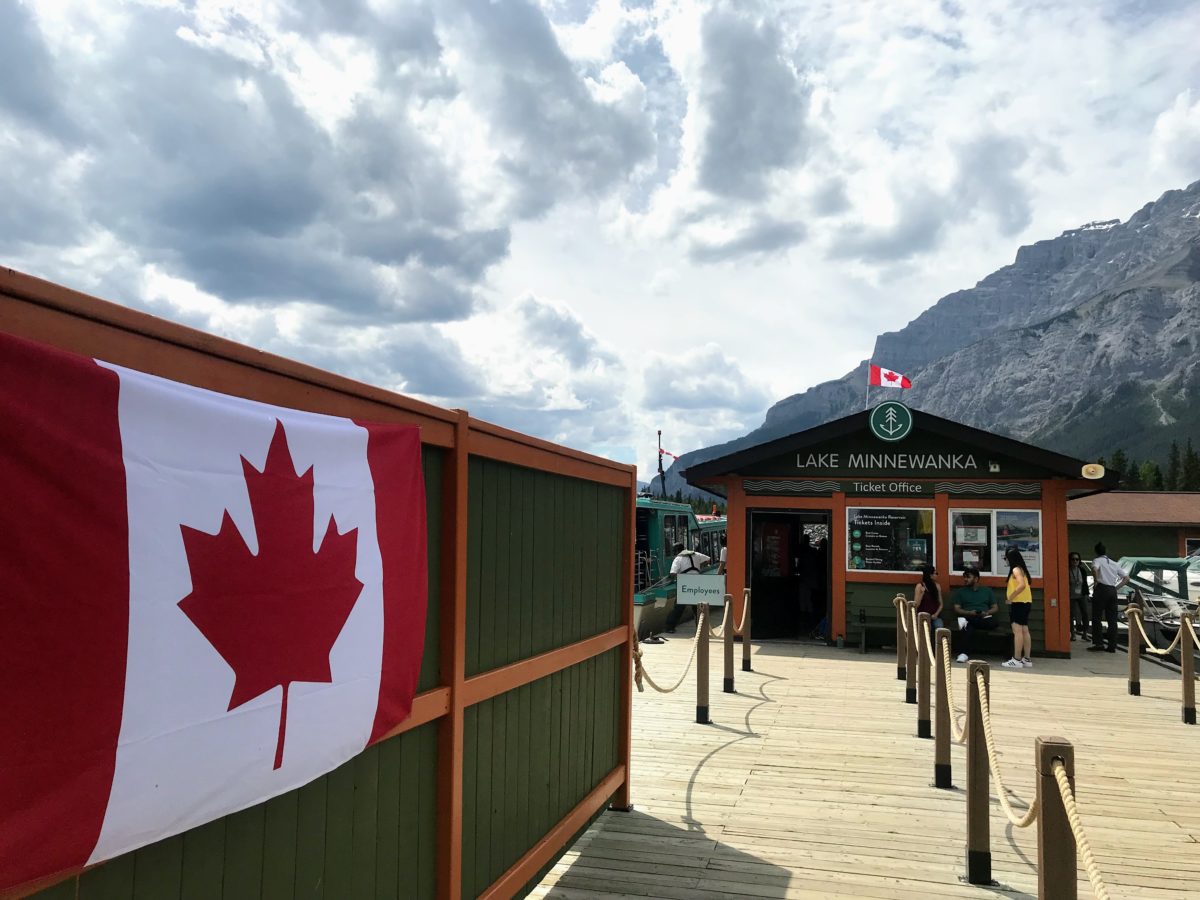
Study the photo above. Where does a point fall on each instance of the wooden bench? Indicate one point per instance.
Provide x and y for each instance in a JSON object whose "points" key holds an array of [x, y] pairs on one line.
{"points": [[870, 626]]}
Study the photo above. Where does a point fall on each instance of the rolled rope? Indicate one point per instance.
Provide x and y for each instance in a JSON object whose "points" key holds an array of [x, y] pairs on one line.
{"points": [[640, 673], [1081, 840], [994, 763]]}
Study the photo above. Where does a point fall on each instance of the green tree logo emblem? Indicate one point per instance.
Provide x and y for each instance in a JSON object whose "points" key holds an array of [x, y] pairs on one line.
{"points": [[891, 421]]}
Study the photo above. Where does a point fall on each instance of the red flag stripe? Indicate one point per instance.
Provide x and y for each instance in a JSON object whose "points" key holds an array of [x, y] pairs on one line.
{"points": [[394, 455], [64, 606]]}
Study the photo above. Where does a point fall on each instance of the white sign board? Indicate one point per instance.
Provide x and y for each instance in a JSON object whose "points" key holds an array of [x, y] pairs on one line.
{"points": [[695, 589]]}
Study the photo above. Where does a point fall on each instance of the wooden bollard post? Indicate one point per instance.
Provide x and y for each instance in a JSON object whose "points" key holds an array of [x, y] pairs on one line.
{"points": [[727, 621], [702, 666], [941, 750], [910, 666], [901, 643], [979, 846], [1187, 667], [1057, 876], [1135, 650], [746, 630], [924, 726]]}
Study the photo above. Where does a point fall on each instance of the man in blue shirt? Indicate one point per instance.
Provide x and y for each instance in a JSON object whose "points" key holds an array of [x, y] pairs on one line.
{"points": [[975, 605]]}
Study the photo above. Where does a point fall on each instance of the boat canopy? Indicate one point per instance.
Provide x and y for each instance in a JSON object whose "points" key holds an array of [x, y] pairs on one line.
{"points": [[1146, 573]]}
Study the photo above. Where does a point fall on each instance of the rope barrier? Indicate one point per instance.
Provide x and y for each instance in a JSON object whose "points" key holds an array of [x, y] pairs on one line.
{"points": [[1137, 617], [927, 642], [640, 673], [1195, 637], [720, 632], [1081, 840], [896, 601], [994, 763], [739, 628], [957, 734]]}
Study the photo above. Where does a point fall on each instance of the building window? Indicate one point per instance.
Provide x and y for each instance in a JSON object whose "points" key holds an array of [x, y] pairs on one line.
{"points": [[971, 540], [981, 537], [888, 540]]}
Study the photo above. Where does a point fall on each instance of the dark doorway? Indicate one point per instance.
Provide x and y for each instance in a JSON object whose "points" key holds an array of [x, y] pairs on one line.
{"points": [[789, 573]]}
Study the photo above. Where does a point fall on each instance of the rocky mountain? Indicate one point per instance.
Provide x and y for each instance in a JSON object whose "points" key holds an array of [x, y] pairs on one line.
{"points": [[1087, 343]]}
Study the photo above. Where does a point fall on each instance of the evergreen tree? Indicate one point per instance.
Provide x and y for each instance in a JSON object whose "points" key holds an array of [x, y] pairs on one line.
{"points": [[1152, 476], [1133, 476], [1190, 476], [1119, 465], [1173, 468]]}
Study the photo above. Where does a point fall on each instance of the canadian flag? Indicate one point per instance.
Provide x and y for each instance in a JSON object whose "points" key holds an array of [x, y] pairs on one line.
{"points": [[881, 377], [206, 602]]}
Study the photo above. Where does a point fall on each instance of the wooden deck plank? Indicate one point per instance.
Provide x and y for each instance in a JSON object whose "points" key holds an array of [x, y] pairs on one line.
{"points": [[812, 783]]}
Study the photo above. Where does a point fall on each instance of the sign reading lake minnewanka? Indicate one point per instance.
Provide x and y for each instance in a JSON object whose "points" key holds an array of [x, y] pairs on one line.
{"points": [[695, 589], [890, 421], [903, 462]]}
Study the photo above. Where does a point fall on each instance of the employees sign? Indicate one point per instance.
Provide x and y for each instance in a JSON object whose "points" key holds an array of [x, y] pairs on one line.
{"points": [[697, 589]]}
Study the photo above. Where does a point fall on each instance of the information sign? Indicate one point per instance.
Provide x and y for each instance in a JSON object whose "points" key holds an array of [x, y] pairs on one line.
{"points": [[695, 589]]}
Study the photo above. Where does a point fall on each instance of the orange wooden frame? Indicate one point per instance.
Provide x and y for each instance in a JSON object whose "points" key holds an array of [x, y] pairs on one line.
{"points": [[39, 310]]}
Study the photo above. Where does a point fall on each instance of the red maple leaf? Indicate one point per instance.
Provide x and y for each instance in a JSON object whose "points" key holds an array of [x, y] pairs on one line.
{"points": [[891, 376], [274, 616]]}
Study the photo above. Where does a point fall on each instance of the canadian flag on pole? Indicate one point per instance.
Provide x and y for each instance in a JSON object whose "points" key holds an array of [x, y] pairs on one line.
{"points": [[206, 601], [881, 377]]}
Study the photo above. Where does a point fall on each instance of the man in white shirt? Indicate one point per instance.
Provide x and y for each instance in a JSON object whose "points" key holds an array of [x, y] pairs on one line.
{"points": [[1108, 576], [685, 562], [724, 551]]}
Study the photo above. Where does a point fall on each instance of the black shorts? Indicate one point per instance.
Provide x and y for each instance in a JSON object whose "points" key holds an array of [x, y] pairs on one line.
{"points": [[1019, 613]]}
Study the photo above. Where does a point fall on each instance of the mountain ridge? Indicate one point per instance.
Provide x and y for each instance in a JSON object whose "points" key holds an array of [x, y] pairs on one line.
{"points": [[1085, 343]]}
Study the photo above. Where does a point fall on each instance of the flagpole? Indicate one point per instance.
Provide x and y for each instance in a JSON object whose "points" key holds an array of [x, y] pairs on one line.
{"points": [[662, 478], [867, 393]]}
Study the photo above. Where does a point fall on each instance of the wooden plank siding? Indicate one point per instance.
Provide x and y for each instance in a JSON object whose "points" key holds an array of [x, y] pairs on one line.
{"points": [[365, 829], [512, 799], [544, 562], [530, 595]]}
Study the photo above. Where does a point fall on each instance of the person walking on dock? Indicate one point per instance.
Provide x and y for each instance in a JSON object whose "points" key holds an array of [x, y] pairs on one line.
{"points": [[1079, 597], [1108, 577]]}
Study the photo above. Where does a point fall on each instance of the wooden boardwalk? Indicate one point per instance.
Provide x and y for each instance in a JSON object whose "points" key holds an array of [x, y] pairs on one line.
{"points": [[812, 783]]}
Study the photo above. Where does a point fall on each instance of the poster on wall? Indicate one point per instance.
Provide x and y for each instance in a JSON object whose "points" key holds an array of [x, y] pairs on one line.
{"points": [[775, 556], [1020, 529], [889, 540]]}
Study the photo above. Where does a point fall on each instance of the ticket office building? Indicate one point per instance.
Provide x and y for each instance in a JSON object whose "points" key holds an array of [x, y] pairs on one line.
{"points": [[827, 525]]}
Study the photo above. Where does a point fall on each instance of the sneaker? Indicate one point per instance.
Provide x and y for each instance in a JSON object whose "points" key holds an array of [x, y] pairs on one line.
{"points": [[1012, 664], [962, 657], [1027, 662]]}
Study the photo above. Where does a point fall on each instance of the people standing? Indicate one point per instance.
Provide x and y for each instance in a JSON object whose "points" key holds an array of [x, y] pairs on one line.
{"points": [[685, 561], [1079, 597], [1108, 578], [1020, 602], [975, 605], [724, 552], [928, 596]]}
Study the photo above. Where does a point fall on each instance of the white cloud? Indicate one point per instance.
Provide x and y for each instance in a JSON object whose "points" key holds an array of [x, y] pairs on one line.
{"points": [[589, 220], [1175, 142]]}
